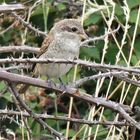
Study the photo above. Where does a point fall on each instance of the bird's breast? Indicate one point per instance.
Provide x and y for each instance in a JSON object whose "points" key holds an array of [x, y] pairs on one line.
{"points": [[64, 48]]}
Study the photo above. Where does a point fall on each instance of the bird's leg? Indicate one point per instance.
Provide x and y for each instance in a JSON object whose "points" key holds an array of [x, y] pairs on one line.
{"points": [[60, 80], [62, 85], [50, 81]]}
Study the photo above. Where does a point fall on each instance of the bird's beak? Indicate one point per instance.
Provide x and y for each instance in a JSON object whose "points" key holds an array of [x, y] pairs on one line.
{"points": [[83, 36]]}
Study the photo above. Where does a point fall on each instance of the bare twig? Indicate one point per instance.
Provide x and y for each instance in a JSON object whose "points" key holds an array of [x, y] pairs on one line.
{"points": [[63, 118], [18, 67], [131, 81], [93, 77], [8, 28], [77, 4], [28, 25], [27, 49], [84, 63], [11, 7], [39, 120], [98, 38], [23, 118], [72, 92]]}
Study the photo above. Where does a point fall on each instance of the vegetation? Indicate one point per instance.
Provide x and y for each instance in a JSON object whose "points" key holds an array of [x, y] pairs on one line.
{"points": [[112, 61]]}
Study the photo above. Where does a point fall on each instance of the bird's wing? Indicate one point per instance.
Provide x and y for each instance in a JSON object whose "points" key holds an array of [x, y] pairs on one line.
{"points": [[47, 41]]}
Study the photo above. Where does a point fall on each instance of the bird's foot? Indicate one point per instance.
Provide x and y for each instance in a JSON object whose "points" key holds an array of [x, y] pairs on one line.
{"points": [[51, 83], [62, 85]]}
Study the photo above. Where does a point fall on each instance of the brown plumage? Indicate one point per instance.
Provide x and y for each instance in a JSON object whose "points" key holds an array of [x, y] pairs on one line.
{"points": [[62, 42]]}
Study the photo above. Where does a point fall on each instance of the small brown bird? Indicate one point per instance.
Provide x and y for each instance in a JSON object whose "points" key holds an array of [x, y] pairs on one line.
{"points": [[62, 42]]}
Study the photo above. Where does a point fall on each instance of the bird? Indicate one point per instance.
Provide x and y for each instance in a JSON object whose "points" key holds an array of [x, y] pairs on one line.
{"points": [[62, 42]]}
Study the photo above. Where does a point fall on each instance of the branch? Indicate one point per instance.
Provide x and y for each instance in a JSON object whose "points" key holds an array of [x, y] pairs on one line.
{"points": [[121, 75], [77, 4], [63, 118], [23, 118], [40, 121], [27, 49], [8, 28], [80, 62], [93, 77], [11, 7], [98, 38], [28, 25], [131, 81], [19, 67], [72, 92]]}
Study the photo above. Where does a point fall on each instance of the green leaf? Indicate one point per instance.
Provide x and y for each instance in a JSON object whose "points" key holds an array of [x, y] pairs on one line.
{"points": [[61, 6], [133, 16], [90, 53], [137, 49], [118, 10], [2, 85], [134, 60], [133, 3], [8, 97], [52, 123], [111, 53], [32, 104], [92, 19], [35, 127]]}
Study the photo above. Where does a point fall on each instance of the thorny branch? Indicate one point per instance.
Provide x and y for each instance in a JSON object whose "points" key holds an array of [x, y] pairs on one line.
{"points": [[80, 62], [102, 67], [72, 92], [11, 7], [28, 25], [98, 38], [18, 67], [39, 120], [93, 77], [27, 49], [63, 118], [23, 118], [30, 49]]}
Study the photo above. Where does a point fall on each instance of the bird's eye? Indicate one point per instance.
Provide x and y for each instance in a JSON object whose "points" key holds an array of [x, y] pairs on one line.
{"points": [[74, 29]]}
